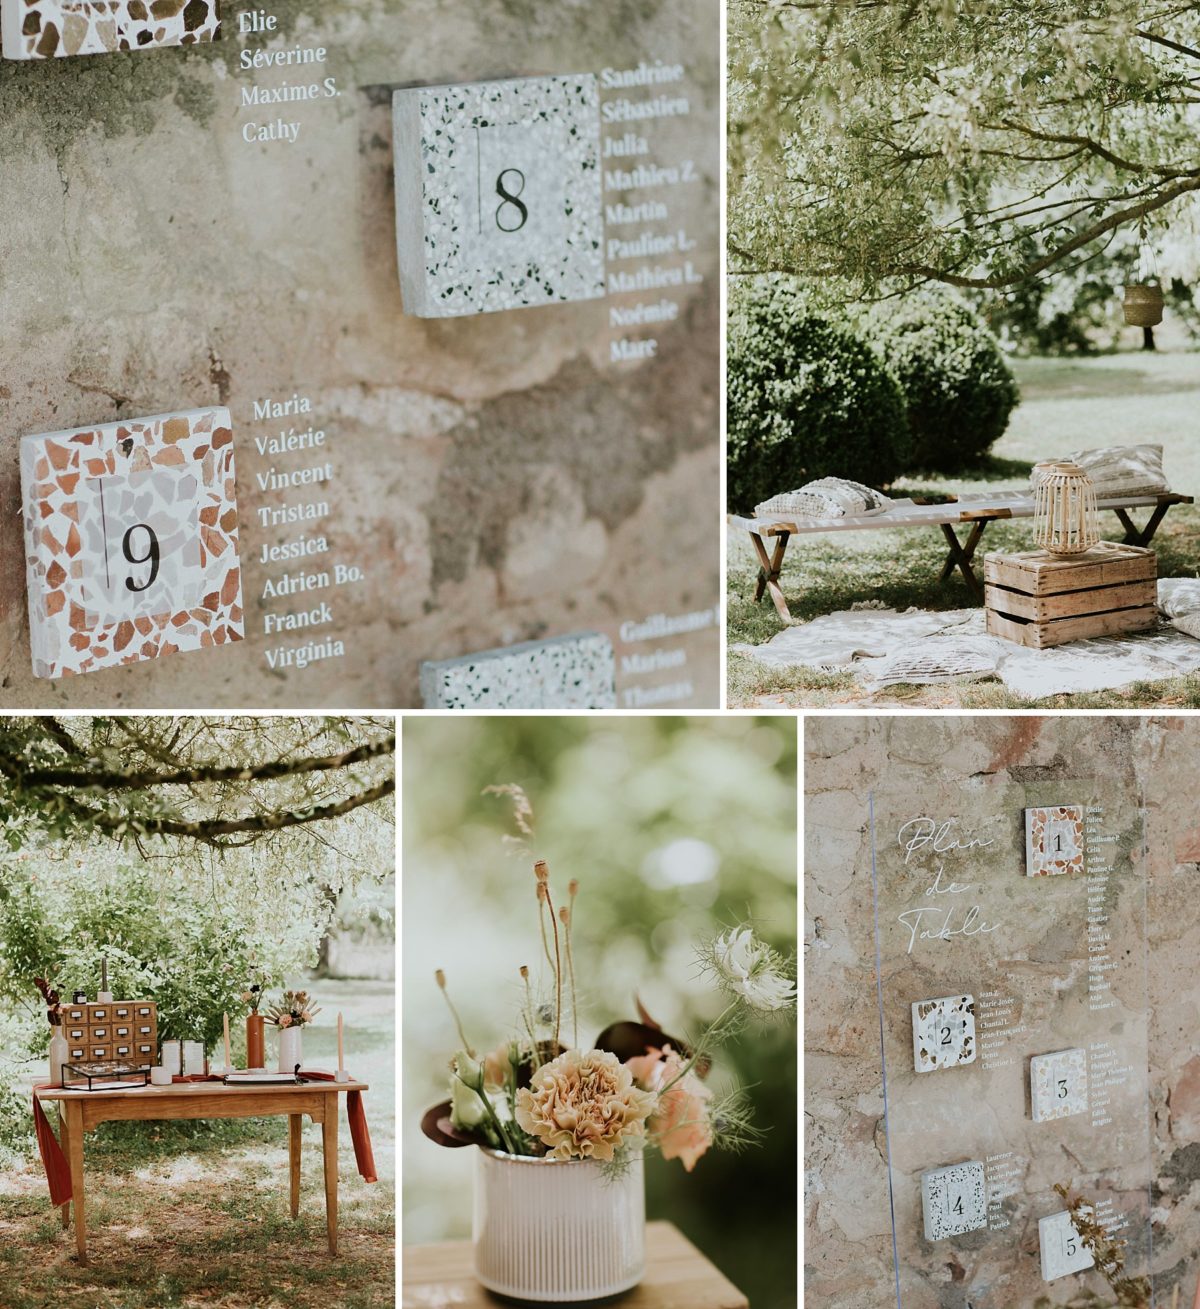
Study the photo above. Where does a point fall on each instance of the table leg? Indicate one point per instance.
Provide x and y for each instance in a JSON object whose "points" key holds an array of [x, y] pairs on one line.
{"points": [[768, 572], [75, 1156], [64, 1139], [329, 1144], [295, 1126]]}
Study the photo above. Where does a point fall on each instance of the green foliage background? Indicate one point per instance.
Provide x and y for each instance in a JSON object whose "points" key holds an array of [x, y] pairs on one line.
{"points": [[675, 827], [808, 397], [958, 388]]}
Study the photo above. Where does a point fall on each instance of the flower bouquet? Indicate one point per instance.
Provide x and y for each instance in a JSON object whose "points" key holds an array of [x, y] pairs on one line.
{"points": [[562, 1129], [290, 1015]]}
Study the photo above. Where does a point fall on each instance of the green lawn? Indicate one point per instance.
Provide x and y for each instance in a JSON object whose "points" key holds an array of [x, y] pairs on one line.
{"points": [[1066, 405], [197, 1214]]}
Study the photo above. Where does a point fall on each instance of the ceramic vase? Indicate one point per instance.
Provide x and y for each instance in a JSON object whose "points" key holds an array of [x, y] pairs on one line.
{"points": [[557, 1230], [60, 1053], [256, 1045], [290, 1052]]}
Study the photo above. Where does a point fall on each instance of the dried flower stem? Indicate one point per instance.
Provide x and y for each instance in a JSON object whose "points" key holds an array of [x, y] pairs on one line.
{"points": [[527, 1012], [462, 1036], [557, 972], [565, 914]]}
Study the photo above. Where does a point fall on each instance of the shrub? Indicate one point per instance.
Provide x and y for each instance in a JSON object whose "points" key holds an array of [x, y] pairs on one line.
{"points": [[958, 386], [807, 398]]}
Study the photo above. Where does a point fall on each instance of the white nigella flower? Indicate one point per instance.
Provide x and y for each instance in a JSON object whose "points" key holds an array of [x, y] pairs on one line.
{"points": [[751, 971]]}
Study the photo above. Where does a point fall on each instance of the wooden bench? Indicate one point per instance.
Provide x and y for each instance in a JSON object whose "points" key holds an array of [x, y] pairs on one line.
{"points": [[974, 511]]}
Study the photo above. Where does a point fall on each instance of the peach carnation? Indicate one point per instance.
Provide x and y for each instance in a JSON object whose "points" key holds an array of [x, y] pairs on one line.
{"points": [[679, 1123], [583, 1105]]}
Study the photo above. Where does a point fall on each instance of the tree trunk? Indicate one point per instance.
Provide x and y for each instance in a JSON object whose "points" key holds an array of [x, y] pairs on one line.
{"points": [[1148, 339]]}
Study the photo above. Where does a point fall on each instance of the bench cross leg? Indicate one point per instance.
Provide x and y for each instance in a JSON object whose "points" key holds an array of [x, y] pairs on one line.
{"points": [[1141, 536], [961, 555], [768, 572]]}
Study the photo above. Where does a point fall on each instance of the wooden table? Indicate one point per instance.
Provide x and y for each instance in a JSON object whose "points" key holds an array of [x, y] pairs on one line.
{"points": [[677, 1275], [973, 511], [80, 1111]]}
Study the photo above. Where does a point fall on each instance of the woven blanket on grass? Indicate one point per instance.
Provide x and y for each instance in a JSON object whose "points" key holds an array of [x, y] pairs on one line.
{"points": [[884, 647]]}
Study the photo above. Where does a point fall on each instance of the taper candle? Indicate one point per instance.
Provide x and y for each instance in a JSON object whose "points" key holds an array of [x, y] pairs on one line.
{"points": [[228, 1061], [341, 1048], [104, 972]]}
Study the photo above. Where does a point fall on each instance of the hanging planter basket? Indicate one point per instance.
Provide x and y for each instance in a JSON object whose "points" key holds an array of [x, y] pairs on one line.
{"points": [[1143, 304]]}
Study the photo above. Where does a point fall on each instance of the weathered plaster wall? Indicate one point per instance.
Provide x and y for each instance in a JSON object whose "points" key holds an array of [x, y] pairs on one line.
{"points": [[848, 1243], [497, 478]]}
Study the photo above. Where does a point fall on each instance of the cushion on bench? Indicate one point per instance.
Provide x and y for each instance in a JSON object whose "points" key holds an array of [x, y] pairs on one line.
{"points": [[831, 497], [1118, 470]]}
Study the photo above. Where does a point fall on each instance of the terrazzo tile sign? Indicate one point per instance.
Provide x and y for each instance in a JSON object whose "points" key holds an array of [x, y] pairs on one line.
{"points": [[1054, 842], [131, 541], [498, 195], [943, 1033], [51, 29], [1063, 1252], [568, 672], [1059, 1085], [954, 1200]]}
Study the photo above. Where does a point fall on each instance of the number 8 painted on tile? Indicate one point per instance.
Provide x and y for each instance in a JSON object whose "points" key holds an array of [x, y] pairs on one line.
{"points": [[511, 200]]}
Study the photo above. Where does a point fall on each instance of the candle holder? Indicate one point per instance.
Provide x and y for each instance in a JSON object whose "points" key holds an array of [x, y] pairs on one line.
{"points": [[342, 1075], [1064, 510]]}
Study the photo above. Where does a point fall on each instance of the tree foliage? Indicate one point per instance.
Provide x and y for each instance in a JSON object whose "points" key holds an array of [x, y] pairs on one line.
{"points": [[888, 143], [220, 782]]}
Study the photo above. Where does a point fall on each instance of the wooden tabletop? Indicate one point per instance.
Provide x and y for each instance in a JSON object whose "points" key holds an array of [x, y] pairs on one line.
{"points": [[677, 1277], [185, 1089]]}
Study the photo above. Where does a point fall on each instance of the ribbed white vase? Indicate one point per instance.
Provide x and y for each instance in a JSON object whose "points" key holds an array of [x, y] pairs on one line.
{"points": [[557, 1229]]}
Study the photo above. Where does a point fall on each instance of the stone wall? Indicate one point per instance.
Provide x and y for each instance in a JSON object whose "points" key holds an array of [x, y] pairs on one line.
{"points": [[496, 478], [848, 1240]]}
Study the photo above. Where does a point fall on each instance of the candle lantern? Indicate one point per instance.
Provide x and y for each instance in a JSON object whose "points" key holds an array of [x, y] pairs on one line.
{"points": [[1064, 510]]}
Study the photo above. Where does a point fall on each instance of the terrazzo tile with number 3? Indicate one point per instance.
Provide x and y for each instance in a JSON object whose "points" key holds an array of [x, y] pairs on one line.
{"points": [[1058, 1085]]}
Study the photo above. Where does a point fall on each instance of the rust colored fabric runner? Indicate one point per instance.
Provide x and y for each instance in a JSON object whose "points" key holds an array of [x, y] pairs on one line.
{"points": [[58, 1171], [359, 1134]]}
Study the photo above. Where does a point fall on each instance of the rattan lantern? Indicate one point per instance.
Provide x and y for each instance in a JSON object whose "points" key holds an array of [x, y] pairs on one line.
{"points": [[1064, 510]]}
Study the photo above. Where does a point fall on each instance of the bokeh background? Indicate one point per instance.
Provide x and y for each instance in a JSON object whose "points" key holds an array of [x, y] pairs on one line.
{"points": [[675, 828]]}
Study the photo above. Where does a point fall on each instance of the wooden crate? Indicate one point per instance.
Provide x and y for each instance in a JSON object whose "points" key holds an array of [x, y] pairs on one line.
{"points": [[1039, 600]]}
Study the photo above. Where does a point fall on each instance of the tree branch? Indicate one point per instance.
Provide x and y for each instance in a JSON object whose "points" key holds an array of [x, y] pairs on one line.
{"points": [[1077, 242], [143, 780], [211, 830]]}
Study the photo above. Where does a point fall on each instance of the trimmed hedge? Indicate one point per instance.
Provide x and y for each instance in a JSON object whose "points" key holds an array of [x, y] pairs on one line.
{"points": [[807, 399], [958, 386]]}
